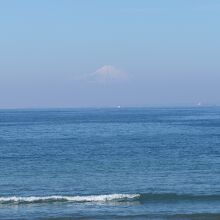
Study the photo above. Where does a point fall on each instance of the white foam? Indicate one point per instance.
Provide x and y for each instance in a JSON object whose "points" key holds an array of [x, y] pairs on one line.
{"points": [[89, 198]]}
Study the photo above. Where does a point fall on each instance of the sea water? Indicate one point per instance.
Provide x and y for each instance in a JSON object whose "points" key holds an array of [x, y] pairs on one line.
{"points": [[113, 163]]}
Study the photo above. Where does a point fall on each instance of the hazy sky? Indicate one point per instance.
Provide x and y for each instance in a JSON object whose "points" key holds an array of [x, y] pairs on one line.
{"points": [[83, 53]]}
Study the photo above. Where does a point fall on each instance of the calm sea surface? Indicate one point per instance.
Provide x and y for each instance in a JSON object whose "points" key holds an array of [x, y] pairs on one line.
{"points": [[128, 163]]}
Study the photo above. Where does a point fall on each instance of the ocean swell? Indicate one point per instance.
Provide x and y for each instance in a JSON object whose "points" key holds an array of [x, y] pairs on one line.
{"points": [[142, 198]]}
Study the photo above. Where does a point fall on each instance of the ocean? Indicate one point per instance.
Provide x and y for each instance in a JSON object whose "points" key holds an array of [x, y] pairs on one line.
{"points": [[110, 163]]}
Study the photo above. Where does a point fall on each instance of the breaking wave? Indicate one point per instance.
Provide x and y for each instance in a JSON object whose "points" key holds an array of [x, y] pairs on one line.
{"points": [[89, 198]]}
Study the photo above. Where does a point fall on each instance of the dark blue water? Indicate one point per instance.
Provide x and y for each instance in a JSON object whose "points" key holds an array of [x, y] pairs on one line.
{"points": [[146, 163]]}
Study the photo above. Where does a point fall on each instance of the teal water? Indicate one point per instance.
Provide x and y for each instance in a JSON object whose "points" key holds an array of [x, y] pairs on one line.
{"points": [[127, 163]]}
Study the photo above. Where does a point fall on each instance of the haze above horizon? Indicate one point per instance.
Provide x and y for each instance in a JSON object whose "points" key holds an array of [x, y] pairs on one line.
{"points": [[109, 53]]}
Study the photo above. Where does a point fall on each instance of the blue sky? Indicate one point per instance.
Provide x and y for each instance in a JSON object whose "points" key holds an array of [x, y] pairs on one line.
{"points": [[87, 53]]}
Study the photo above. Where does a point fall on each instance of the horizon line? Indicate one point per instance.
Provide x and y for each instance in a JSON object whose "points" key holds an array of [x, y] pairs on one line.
{"points": [[111, 107]]}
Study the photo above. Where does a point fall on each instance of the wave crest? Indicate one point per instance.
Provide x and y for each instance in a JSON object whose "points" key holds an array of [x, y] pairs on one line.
{"points": [[57, 198]]}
